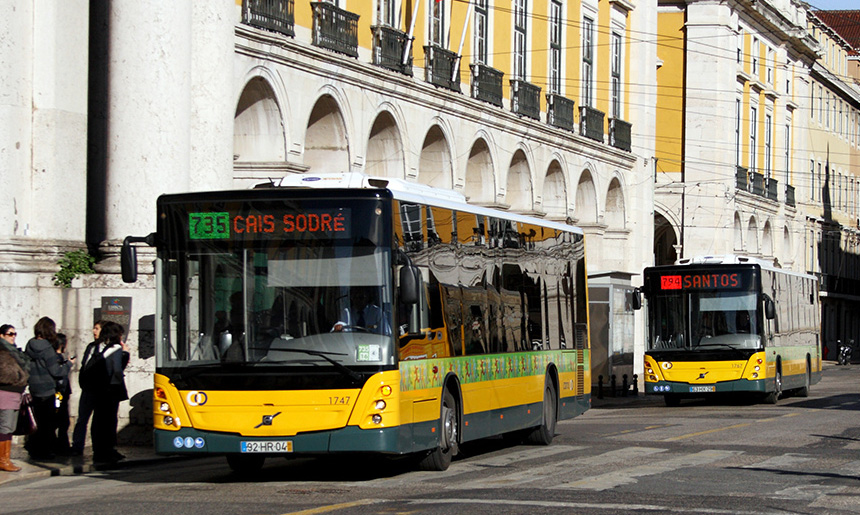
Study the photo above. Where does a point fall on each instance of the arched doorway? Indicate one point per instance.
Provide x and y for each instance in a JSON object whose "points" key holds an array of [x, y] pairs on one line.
{"points": [[665, 241], [326, 142]]}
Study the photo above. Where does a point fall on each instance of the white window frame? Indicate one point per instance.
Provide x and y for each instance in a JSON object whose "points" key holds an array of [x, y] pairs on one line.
{"points": [[437, 23], [481, 36], [768, 144], [753, 136], [520, 39], [587, 61], [556, 46], [386, 13]]}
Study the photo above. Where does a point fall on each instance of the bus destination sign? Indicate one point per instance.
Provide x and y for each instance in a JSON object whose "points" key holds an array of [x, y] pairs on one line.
{"points": [[722, 280], [334, 223]]}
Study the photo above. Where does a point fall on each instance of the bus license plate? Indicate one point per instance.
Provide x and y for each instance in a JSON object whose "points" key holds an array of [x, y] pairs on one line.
{"points": [[701, 389], [268, 447]]}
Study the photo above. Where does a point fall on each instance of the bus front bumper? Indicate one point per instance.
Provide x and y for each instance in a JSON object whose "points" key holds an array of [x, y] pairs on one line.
{"points": [[740, 385]]}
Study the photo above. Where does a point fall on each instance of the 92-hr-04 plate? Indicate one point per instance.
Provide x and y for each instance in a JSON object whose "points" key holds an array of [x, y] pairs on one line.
{"points": [[267, 446], [701, 389]]}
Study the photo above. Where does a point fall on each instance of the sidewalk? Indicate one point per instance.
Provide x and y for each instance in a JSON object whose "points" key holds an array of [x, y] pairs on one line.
{"points": [[72, 465]]}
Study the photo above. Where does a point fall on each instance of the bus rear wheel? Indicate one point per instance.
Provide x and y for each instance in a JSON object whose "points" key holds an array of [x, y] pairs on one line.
{"points": [[245, 463], [440, 458], [804, 390], [543, 434]]}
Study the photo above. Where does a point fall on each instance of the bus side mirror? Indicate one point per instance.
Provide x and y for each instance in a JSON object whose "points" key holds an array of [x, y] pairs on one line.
{"points": [[636, 299], [769, 308], [128, 262], [409, 284]]}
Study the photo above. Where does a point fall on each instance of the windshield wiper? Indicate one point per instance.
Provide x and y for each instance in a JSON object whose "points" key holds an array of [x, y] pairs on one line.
{"points": [[345, 370], [716, 344]]}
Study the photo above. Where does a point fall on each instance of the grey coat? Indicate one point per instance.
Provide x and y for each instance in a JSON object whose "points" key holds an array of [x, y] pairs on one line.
{"points": [[46, 367]]}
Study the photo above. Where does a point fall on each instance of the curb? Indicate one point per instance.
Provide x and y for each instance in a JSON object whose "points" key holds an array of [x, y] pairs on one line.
{"points": [[30, 470]]}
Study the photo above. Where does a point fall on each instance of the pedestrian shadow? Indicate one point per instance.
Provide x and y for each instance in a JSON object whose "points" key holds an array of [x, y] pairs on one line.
{"points": [[800, 473]]}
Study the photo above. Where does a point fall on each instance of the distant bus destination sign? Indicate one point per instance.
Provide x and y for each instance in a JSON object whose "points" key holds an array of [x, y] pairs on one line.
{"points": [[699, 281], [334, 223]]}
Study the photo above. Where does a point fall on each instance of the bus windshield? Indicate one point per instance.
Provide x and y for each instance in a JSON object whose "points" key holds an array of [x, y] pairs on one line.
{"points": [[705, 320], [306, 301]]}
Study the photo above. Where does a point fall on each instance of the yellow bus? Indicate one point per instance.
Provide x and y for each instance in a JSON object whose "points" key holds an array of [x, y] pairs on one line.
{"points": [[730, 324], [339, 313]]}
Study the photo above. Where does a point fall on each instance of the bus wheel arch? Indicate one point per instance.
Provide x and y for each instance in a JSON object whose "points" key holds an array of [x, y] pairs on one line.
{"points": [[773, 397], [544, 433], [450, 418]]}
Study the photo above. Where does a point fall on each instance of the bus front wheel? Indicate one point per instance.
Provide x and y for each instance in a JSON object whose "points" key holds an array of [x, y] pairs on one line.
{"points": [[774, 396], [440, 458]]}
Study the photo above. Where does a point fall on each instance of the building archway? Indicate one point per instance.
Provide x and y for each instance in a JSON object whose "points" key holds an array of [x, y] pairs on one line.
{"points": [[434, 166], [258, 129], [616, 217], [385, 156], [585, 208], [519, 184], [326, 141], [480, 184], [665, 241], [555, 192]]}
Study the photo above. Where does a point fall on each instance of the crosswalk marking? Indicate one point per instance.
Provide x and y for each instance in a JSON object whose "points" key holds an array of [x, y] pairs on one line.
{"points": [[659, 466], [552, 472], [786, 460]]}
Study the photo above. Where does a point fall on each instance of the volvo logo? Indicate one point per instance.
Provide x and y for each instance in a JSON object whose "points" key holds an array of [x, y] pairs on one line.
{"points": [[196, 398], [267, 420]]}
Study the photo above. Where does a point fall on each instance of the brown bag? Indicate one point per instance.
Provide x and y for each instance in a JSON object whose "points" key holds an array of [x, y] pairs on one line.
{"points": [[26, 417]]}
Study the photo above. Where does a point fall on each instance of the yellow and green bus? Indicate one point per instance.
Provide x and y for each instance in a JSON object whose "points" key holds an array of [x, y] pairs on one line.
{"points": [[338, 313], [730, 324]]}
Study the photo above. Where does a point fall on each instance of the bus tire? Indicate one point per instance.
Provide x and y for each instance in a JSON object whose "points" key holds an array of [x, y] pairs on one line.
{"points": [[672, 400], [440, 458], [245, 463], [804, 391], [773, 397], [543, 434]]}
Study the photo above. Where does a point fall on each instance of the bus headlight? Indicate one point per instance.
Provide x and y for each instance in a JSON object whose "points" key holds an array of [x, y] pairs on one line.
{"points": [[380, 405], [168, 420], [164, 407], [377, 419], [757, 368], [667, 365]]}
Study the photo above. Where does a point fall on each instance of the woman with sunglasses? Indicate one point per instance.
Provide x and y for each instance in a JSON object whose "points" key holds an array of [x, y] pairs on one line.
{"points": [[13, 381]]}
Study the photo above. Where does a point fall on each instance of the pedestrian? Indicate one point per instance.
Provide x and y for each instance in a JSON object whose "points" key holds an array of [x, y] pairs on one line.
{"points": [[13, 382], [64, 393], [46, 367], [87, 400], [104, 374]]}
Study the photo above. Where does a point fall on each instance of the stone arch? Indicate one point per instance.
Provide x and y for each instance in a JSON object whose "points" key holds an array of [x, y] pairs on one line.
{"points": [[665, 240], [738, 234], [787, 248], [258, 128], [326, 139], [585, 208], [555, 192], [434, 165], [752, 236], [385, 155], [615, 213], [767, 240], [519, 183], [480, 178]]}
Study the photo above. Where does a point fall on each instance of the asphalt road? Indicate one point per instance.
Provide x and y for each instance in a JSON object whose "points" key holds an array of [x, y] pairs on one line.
{"points": [[631, 455]]}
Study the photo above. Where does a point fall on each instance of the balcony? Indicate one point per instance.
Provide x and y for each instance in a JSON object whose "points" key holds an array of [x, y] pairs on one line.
{"points": [[525, 99], [439, 68], [274, 15], [335, 29], [757, 184], [487, 84], [559, 111], [742, 178], [591, 123], [789, 195], [390, 47], [619, 133], [771, 191]]}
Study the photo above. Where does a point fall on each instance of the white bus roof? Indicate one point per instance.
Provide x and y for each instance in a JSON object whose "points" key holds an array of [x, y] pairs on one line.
{"points": [[734, 259], [410, 192]]}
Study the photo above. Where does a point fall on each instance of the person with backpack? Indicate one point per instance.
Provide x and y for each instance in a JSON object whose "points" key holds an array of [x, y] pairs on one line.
{"points": [[86, 402], [103, 375]]}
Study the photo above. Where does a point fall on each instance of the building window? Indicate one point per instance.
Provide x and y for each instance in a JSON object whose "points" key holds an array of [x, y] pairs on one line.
{"points": [[616, 74], [587, 61], [740, 45], [737, 132], [768, 131], [820, 104], [481, 41], [754, 57], [385, 13], [753, 114], [520, 39], [769, 66], [811, 180], [555, 22], [827, 111], [437, 23], [787, 152]]}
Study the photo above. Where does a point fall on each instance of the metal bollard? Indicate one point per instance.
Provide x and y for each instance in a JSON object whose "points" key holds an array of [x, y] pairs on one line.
{"points": [[624, 385], [613, 383], [636, 384], [600, 387]]}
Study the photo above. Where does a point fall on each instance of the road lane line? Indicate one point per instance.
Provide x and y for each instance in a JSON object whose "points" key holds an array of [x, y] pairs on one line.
{"points": [[335, 507], [718, 429], [610, 506]]}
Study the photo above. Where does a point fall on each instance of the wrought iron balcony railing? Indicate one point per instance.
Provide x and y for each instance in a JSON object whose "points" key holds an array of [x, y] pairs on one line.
{"points": [[274, 15], [335, 29], [525, 98], [487, 84], [619, 133], [789, 195], [591, 123], [770, 186], [757, 184], [439, 67], [389, 48], [742, 178], [559, 111]]}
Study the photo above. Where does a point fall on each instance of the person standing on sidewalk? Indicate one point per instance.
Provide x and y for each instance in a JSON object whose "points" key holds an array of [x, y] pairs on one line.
{"points": [[13, 382], [87, 401], [106, 366], [64, 392], [45, 369]]}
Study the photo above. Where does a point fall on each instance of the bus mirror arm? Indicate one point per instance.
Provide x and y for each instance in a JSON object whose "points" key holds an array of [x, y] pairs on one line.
{"points": [[409, 284], [128, 255]]}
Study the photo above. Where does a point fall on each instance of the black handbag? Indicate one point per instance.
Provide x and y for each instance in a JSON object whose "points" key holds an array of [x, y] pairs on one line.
{"points": [[26, 417]]}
